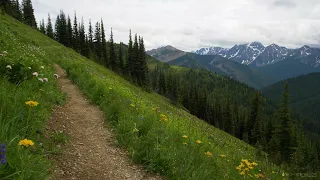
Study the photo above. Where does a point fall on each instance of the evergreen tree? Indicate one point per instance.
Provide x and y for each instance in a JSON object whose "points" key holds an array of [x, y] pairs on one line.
{"points": [[286, 126], [28, 14], [144, 72], [121, 62], [135, 60], [57, 29], [112, 54], [129, 65], [16, 10], [254, 119], [7, 6], [82, 38], [69, 33], [49, 28], [90, 38], [97, 43], [76, 41], [42, 27], [104, 47]]}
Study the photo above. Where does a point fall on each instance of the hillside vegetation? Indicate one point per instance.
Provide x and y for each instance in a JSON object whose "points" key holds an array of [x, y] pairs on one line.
{"points": [[158, 135]]}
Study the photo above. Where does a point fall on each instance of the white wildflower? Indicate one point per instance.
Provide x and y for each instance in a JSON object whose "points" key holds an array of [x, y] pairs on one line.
{"points": [[41, 67], [5, 53], [29, 67], [40, 79], [35, 74], [56, 76], [45, 79], [9, 67]]}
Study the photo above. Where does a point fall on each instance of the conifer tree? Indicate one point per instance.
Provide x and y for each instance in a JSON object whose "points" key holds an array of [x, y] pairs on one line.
{"points": [[135, 60], [76, 43], [90, 36], [286, 133], [69, 33], [28, 14], [255, 118], [104, 54], [121, 62], [42, 27], [112, 54], [97, 43], [144, 71], [57, 29], [16, 10], [49, 28], [82, 38], [129, 65]]}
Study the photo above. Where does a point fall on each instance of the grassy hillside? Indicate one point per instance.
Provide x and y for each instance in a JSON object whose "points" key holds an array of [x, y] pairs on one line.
{"points": [[158, 135], [224, 67]]}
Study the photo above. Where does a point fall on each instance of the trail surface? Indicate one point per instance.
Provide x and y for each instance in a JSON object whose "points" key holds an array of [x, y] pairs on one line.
{"points": [[91, 153]]}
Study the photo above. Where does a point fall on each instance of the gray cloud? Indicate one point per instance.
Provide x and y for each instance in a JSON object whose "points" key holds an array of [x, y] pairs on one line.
{"points": [[192, 24]]}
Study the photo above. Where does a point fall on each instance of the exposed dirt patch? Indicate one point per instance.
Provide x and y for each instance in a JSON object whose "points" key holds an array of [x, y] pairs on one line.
{"points": [[91, 152]]}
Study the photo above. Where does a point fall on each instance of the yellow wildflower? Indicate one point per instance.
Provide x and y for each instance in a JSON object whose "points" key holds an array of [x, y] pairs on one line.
{"points": [[250, 175], [185, 136], [110, 88], [273, 172], [164, 119], [198, 141], [209, 154], [222, 155], [26, 143], [32, 103], [254, 164], [154, 109], [185, 143], [132, 105], [238, 168], [259, 175], [242, 173], [246, 169], [163, 116]]}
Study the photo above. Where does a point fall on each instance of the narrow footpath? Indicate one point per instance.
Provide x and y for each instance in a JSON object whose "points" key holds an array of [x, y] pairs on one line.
{"points": [[91, 153]]}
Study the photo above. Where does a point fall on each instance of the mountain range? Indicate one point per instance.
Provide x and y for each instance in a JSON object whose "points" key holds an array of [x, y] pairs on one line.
{"points": [[252, 63], [256, 54]]}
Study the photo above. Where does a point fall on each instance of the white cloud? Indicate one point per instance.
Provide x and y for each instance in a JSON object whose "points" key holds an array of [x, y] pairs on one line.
{"points": [[191, 24]]}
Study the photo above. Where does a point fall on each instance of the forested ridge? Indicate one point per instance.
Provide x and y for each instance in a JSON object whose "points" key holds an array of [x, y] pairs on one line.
{"points": [[229, 105]]}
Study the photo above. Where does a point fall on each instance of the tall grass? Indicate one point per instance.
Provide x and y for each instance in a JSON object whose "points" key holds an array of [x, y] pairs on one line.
{"points": [[19, 121]]}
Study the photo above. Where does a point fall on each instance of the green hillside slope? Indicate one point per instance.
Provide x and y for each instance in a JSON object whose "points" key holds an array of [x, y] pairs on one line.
{"points": [[158, 135]]}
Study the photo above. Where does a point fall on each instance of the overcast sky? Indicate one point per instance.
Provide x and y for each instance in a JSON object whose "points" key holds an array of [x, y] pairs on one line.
{"points": [[192, 24]]}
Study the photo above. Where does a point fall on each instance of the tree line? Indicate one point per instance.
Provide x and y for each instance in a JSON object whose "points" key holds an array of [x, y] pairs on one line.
{"points": [[91, 44]]}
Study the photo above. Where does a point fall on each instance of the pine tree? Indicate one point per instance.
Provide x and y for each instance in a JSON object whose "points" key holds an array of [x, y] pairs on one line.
{"points": [[49, 28], [97, 43], [28, 14], [69, 33], [254, 119], [82, 38], [76, 43], [112, 54], [104, 47], [42, 27], [129, 65], [7, 6], [90, 34], [135, 60], [63, 39], [144, 71], [286, 133], [57, 29], [16, 10], [121, 62]]}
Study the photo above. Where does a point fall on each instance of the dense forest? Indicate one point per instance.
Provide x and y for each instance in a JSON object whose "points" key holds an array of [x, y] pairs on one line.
{"points": [[229, 105]]}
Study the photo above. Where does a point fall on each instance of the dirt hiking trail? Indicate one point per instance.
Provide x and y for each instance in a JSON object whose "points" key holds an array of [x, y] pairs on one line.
{"points": [[91, 153]]}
